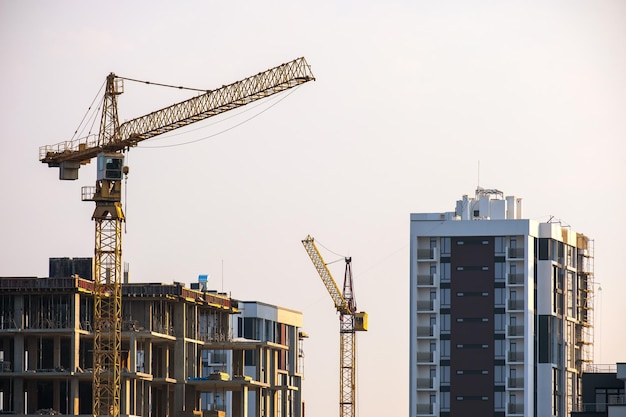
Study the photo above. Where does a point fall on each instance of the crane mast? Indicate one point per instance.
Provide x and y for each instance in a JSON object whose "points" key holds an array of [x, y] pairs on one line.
{"points": [[350, 321], [108, 147]]}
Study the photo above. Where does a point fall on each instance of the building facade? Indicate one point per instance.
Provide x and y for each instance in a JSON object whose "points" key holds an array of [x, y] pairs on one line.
{"points": [[604, 392], [501, 313], [178, 354]]}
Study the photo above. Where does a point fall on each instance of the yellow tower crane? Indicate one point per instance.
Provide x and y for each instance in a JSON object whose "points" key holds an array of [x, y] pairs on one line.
{"points": [[108, 147], [350, 321]]}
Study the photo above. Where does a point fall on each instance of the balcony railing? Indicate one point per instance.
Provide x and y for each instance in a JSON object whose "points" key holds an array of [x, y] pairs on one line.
{"points": [[516, 279], [425, 357], [425, 331], [516, 408], [516, 253], [516, 304], [516, 382], [619, 400], [515, 330], [426, 279], [516, 356], [425, 409], [425, 305], [424, 254], [424, 383]]}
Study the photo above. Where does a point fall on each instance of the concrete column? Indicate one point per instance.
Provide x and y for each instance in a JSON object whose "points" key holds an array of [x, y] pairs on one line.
{"points": [[244, 401], [56, 355], [75, 311], [74, 405], [178, 366], [18, 353], [132, 353], [147, 357], [33, 353], [31, 388], [125, 396], [56, 395], [18, 396], [147, 399]]}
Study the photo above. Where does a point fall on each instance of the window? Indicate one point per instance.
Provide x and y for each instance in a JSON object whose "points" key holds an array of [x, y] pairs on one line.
{"points": [[499, 347], [606, 396], [500, 322], [499, 296], [499, 268], [445, 401], [445, 349], [445, 297], [499, 245], [445, 374], [445, 246], [445, 323], [444, 270], [499, 374], [499, 399]]}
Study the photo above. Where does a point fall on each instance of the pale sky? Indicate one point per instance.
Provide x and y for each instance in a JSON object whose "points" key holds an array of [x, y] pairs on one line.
{"points": [[409, 97]]}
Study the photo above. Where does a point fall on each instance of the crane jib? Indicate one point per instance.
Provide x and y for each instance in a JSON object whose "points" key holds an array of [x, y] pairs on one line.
{"points": [[212, 103]]}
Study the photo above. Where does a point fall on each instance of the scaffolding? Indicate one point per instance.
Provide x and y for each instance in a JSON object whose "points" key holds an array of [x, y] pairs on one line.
{"points": [[586, 299]]}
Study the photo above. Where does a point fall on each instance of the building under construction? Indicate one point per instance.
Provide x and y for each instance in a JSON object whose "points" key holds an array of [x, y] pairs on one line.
{"points": [[185, 351]]}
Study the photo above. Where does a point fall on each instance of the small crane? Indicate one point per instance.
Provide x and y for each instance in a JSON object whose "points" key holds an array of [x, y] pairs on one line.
{"points": [[108, 147], [350, 321]]}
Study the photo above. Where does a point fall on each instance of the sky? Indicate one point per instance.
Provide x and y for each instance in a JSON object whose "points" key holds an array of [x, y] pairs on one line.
{"points": [[415, 103]]}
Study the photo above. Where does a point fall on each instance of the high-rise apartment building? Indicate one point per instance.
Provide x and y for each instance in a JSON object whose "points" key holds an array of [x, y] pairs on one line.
{"points": [[501, 311]]}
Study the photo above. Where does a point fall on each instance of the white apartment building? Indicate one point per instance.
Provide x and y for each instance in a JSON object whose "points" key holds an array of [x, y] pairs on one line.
{"points": [[501, 311]]}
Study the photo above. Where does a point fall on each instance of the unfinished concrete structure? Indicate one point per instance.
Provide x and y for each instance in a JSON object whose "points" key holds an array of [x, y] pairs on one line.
{"points": [[169, 330]]}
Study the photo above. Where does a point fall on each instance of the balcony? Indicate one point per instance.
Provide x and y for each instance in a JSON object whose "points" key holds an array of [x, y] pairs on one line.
{"points": [[515, 279], [515, 409], [425, 331], [516, 356], [425, 305], [425, 409], [515, 253], [425, 357], [516, 383], [426, 254], [425, 383], [515, 331], [428, 280], [516, 305]]}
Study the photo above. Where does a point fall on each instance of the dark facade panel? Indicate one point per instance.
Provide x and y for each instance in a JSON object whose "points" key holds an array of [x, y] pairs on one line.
{"points": [[472, 326]]}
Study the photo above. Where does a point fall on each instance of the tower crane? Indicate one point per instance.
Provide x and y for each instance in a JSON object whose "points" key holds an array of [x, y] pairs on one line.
{"points": [[108, 147], [350, 321]]}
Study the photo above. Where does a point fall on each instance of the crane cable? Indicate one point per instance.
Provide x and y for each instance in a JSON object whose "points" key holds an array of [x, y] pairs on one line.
{"points": [[178, 87], [87, 112]]}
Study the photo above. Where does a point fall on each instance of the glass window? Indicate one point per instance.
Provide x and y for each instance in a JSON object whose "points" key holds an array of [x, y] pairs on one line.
{"points": [[444, 269], [499, 271], [445, 297], [499, 398], [499, 374], [499, 296], [499, 348], [499, 245], [445, 323], [445, 374], [445, 349], [445, 246], [445, 401], [499, 323]]}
